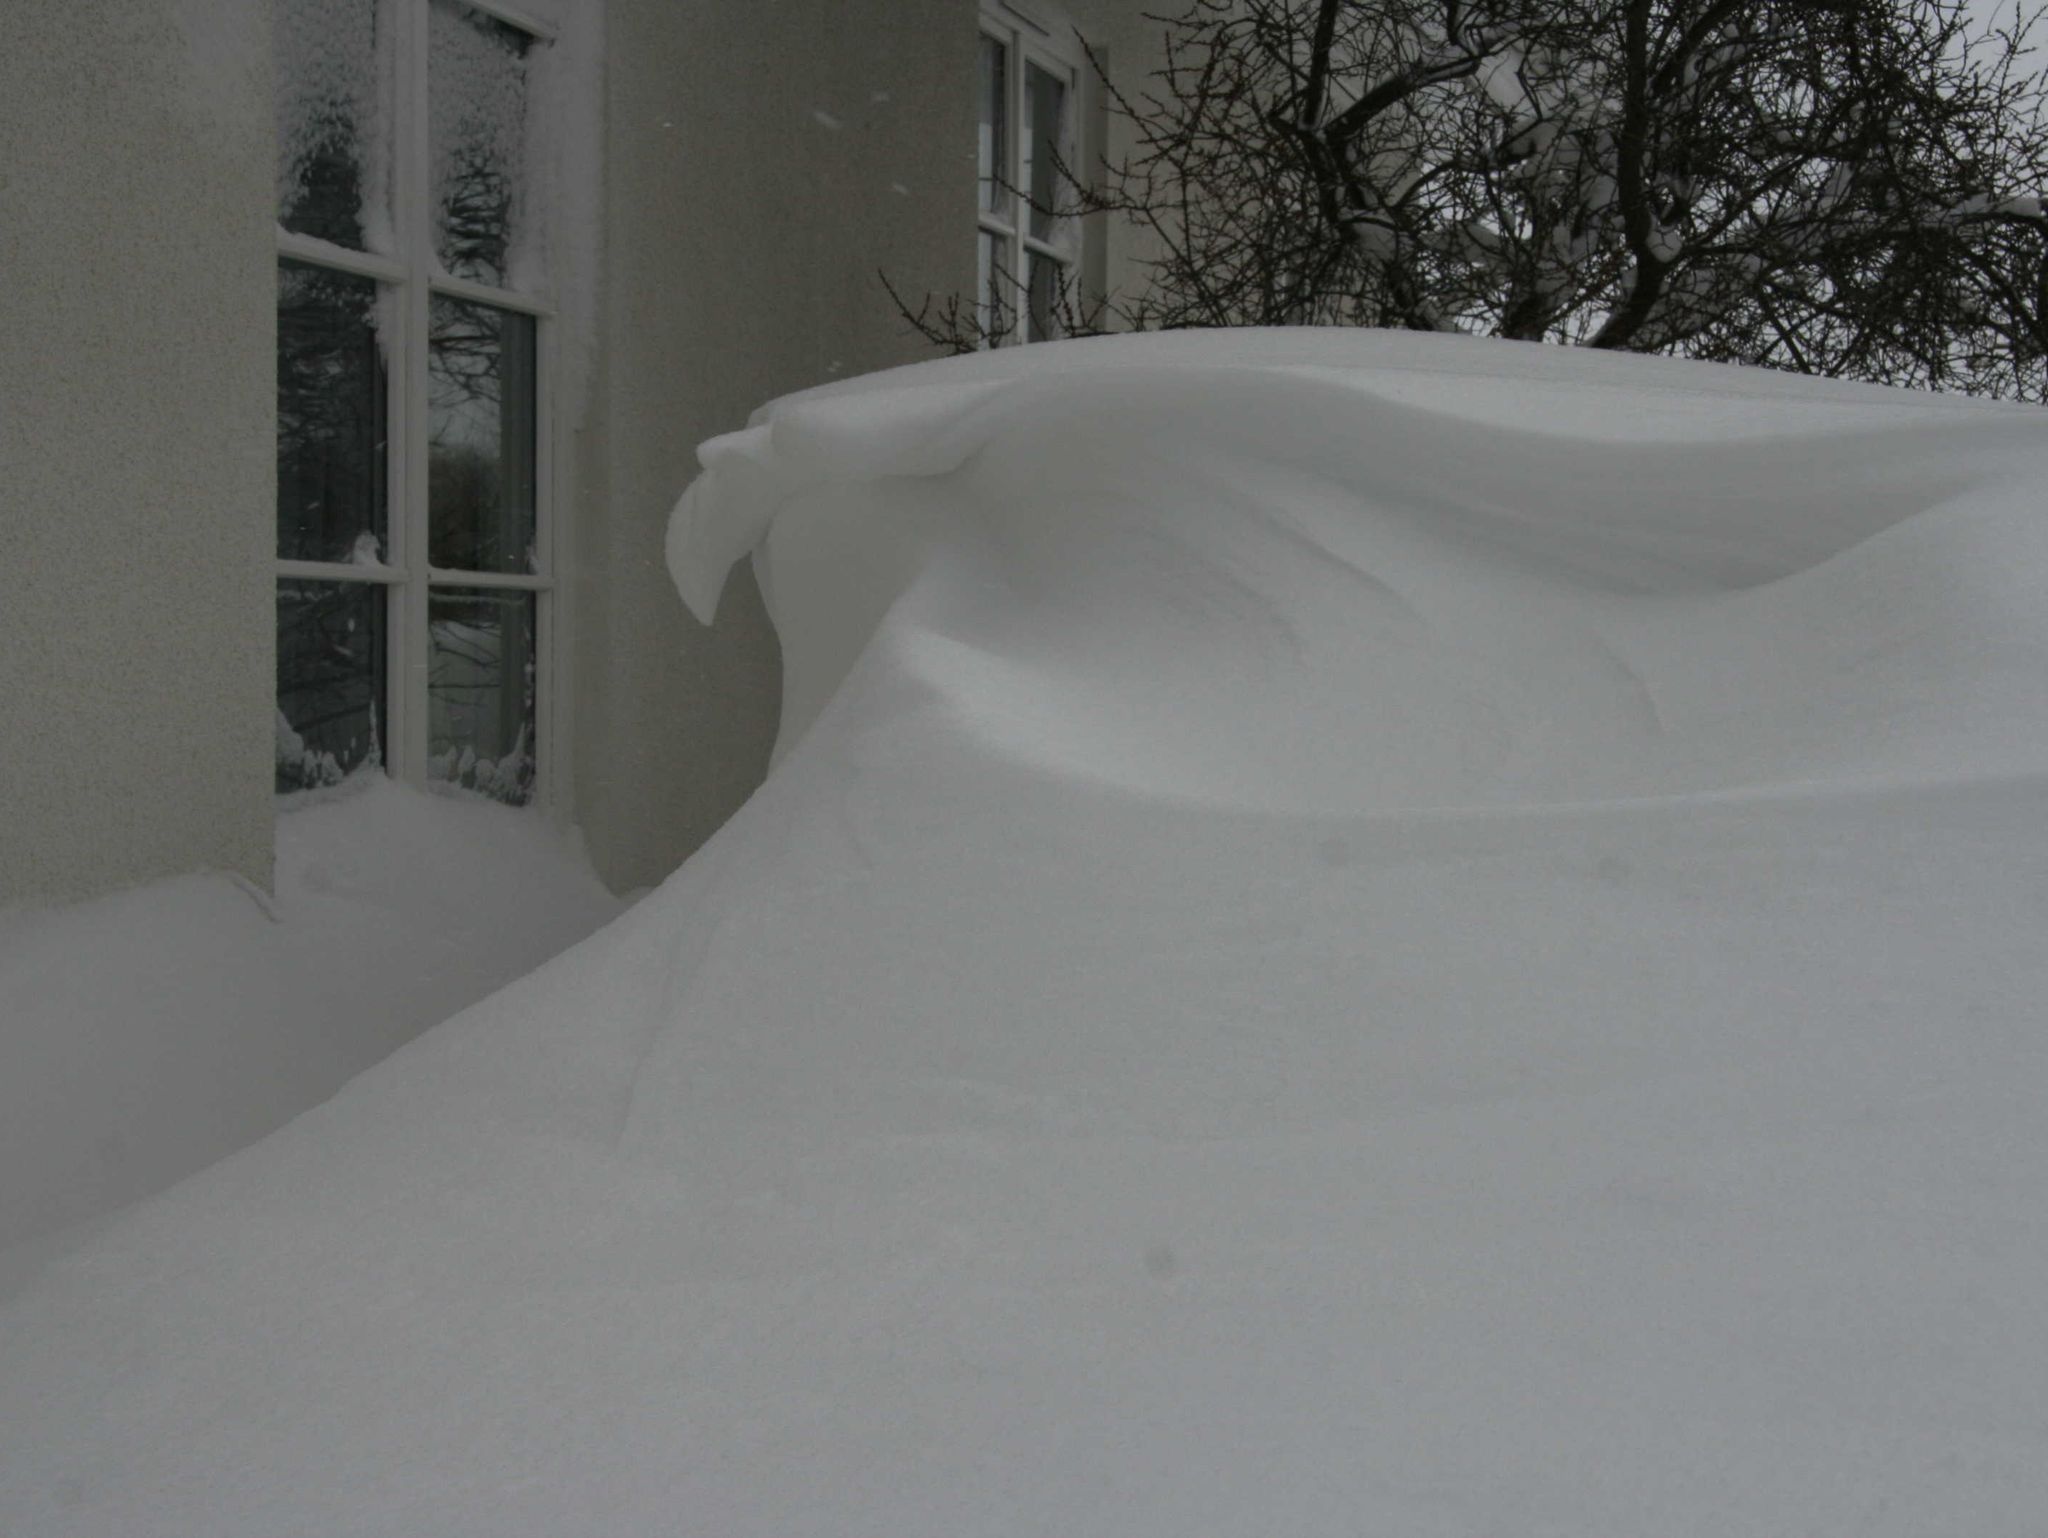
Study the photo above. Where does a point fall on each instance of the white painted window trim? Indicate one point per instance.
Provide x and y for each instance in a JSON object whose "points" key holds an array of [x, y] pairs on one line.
{"points": [[1031, 34], [515, 18], [408, 281]]}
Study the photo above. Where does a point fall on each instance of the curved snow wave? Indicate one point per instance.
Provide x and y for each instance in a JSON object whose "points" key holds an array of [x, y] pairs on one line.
{"points": [[1375, 585]]}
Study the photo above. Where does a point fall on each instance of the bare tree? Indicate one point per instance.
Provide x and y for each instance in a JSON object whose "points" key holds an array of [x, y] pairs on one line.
{"points": [[1843, 187]]}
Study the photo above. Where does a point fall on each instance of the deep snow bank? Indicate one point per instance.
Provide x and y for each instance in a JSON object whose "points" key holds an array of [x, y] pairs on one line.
{"points": [[1353, 933], [147, 1033]]}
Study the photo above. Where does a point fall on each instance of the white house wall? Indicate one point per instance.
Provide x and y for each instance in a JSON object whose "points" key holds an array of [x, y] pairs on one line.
{"points": [[755, 152], [737, 172], [766, 159], [137, 391]]}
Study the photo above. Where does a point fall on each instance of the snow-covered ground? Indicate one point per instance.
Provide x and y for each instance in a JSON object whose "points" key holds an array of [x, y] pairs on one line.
{"points": [[146, 1034], [1352, 933]]}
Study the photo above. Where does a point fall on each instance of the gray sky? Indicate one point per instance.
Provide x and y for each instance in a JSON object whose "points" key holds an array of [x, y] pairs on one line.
{"points": [[1994, 10]]}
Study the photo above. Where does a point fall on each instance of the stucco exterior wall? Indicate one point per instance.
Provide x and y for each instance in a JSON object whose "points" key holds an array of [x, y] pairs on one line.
{"points": [[751, 166], [137, 385], [753, 153], [765, 160]]}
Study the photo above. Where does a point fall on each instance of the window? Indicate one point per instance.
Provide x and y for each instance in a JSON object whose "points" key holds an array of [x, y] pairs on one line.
{"points": [[416, 580], [1029, 88]]}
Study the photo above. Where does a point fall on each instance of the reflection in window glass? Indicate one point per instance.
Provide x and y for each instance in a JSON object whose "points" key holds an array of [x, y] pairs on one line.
{"points": [[476, 106], [1045, 146], [996, 286], [480, 692], [330, 681], [331, 418], [330, 154], [480, 437], [1044, 298], [994, 152]]}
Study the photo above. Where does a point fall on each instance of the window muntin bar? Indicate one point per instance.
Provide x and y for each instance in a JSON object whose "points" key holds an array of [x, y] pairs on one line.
{"points": [[340, 571]]}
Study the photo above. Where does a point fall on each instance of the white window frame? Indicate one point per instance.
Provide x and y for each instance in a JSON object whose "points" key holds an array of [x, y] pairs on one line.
{"points": [[1030, 35], [408, 283]]}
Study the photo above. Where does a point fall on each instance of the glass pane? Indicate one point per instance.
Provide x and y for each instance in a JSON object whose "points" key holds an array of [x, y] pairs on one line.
{"points": [[476, 111], [994, 152], [330, 680], [332, 148], [480, 437], [1048, 280], [480, 691], [996, 312], [1046, 146], [331, 417]]}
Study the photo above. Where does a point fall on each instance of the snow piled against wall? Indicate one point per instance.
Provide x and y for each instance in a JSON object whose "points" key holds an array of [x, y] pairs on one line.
{"points": [[1353, 933], [149, 1033]]}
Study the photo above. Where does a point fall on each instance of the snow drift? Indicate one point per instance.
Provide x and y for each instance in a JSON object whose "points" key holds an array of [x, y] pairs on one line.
{"points": [[1351, 933], [147, 1033]]}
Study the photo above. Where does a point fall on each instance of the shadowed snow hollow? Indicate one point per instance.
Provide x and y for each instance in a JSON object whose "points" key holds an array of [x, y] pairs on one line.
{"points": [[1352, 933]]}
